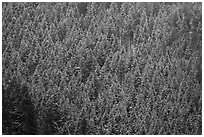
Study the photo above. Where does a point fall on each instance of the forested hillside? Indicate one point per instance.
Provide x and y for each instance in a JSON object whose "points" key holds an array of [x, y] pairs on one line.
{"points": [[102, 68]]}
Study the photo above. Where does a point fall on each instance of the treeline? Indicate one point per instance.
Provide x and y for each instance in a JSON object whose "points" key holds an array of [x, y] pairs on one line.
{"points": [[102, 68]]}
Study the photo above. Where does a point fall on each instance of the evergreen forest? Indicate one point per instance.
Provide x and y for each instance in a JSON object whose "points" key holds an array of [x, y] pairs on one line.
{"points": [[102, 68]]}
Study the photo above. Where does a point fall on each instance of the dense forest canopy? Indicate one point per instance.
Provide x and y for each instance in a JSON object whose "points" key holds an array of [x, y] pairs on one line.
{"points": [[102, 68]]}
